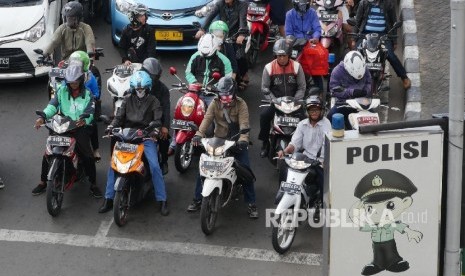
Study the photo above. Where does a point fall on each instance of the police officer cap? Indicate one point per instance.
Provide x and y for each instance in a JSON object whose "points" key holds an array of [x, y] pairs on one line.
{"points": [[383, 184]]}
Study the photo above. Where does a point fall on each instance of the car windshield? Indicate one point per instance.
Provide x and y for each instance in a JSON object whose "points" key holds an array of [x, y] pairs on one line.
{"points": [[19, 3]]}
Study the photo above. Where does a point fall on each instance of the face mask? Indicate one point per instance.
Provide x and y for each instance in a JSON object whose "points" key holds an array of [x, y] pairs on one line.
{"points": [[140, 93]]}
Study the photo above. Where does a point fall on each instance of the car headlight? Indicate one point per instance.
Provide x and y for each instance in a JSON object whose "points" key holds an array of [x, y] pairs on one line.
{"points": [[60, 128], [31, 35], [124, 6], [187, 106]]}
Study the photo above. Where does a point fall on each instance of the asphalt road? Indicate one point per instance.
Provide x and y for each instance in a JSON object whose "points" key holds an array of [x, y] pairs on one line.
{"points": [[82, 242]]}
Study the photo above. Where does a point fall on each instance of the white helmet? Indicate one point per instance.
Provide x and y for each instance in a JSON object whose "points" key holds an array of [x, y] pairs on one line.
{"points": [[354, 63], [207, 45]]}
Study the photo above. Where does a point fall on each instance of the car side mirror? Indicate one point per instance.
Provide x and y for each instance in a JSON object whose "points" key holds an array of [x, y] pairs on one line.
{"points": [[38, 51]]}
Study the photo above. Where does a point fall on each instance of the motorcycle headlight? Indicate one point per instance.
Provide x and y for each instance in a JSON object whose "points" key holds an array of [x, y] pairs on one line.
{"points": [[124, 6], [60, 128], [287, 107], [298, 165], [187, 106], [33, 34], [371, 56]]}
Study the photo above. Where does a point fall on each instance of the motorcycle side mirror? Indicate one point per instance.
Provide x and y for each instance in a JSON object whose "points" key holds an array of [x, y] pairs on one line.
{"points": [[197, 24], [38, 51], [173, 70], [351, 21], [216, 76], [84, 116], [41, 114], [338, 89], [105, 119]]}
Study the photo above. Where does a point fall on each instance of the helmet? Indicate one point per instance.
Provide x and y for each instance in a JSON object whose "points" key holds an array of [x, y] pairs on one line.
{"points": [[152, 66], [74, 73], [81, 56], [135, 11], [207, 45], [219, 29], [314, 101], [72, 13], [226, 90], [281, 48], [354, 63], [301, 6], [140, 83]]}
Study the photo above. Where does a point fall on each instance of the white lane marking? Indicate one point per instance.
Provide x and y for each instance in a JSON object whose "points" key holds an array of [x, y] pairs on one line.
{"points": [[124, 244], [104, 228]]}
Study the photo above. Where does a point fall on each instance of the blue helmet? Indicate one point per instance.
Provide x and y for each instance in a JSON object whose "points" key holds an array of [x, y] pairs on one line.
{"points": [[140, 79]]}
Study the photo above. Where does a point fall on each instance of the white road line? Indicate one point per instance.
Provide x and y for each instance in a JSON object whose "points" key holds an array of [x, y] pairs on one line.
{"points": [[124, 244], [104, 228]]}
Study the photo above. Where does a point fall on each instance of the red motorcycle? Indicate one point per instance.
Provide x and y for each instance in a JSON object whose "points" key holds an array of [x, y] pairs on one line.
{"points": [[188, 115]]}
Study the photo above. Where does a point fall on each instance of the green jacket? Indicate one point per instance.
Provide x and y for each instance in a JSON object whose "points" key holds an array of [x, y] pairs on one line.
{"points": [[71, 107], [200, 69], [71, 40]]}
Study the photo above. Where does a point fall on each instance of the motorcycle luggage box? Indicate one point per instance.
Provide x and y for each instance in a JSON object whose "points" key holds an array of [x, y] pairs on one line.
{"points": [[314, 60]]}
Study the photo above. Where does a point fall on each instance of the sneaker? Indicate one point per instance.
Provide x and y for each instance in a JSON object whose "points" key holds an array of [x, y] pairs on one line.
{"points": [[2, 185], [164, 208], [164, 168], [252, 211], [40, 189], [194, 206], [95, 191]]}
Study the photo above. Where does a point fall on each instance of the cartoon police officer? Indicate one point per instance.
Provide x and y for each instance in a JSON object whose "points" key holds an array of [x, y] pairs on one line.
{"points": [[384, 195]]}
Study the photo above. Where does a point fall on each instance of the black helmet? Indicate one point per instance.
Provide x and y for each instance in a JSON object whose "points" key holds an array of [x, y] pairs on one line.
{"points": [[152, 66], [135, 11], [72, 13], [74, 73], [281, 47], [301, 6], [226, 88]]}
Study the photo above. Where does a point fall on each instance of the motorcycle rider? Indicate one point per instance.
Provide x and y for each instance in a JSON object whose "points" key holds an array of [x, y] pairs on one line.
{"points": [[137, 111], [281, 77], [73, 100], [220, 30], [230, 114], [138, 38], [354, 79], [309, 137], [153, 67], [378, 16]]}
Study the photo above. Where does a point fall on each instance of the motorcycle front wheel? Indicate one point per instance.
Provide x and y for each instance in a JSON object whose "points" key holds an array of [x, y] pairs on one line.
{"points": [[209, 212], [55, 194], [283, 233], [121, 206], [252, 54], [182, 157]]}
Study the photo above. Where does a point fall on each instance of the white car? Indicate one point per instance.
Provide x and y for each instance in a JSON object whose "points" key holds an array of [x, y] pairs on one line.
{"points": [[25, 25]]}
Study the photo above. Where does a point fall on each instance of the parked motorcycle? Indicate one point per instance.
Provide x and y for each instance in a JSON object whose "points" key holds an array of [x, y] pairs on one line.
{"points": [[331, 26], [118, 83], [188, 115], [64, 169], [223, 178], [294, 196], [132, 183]]}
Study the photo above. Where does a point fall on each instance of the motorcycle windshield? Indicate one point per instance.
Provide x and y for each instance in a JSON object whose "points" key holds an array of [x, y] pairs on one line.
{"points": [[372, 42]]}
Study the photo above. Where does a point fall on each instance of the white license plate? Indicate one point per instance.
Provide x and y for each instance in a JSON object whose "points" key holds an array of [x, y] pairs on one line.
{"points": [[180, 124], [374, 66], [59, 141], [213, 165], [4, 62], [328, 17], [368, 120], [288, 121], [125, 147], [256, 10], [290, 188]]}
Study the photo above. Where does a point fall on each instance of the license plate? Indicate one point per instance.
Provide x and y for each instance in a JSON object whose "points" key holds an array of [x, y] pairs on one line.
{"points": [[4, 62], [328, 17], [180, 124], [126, 147], [213, 165], [368, 120], [374, 66], [290, 188], [288, 121], [168, 35], [256, 10], [57, 73], [59, 141]]}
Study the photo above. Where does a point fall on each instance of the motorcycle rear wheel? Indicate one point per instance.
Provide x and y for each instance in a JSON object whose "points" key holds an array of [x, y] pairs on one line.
{"points": [[55, 195], [121, 207], [283, 234], [209, 212], [182, 157], [252, 54]]}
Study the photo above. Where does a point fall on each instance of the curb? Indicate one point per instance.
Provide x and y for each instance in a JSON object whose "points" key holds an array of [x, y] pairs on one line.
{"points": [[411, 60]]}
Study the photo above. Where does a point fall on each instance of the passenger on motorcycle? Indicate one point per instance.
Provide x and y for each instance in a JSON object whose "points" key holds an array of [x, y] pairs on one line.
{"points": [[230, 114], [354, 79], [378, 16], [137, 111], [153, 67], [281, 77], [309, 138], [206, 61], [138, 38], [220, 30], [72, 100]]}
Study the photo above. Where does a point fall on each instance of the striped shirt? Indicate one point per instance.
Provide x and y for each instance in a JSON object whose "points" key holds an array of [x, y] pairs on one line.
{"points": [[376, 22]]}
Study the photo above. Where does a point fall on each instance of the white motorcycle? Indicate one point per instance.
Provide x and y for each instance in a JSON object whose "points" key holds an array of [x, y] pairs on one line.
{"points": [[294, 195], [118, 83], [223, 175]]}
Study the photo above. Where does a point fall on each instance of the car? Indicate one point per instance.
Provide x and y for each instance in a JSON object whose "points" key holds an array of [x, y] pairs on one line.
{"points": [[173, 21], [26, 25]]}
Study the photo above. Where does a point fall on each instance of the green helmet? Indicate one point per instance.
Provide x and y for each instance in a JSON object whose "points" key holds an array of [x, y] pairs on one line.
{"points": [[219, 26], [83, 57]]}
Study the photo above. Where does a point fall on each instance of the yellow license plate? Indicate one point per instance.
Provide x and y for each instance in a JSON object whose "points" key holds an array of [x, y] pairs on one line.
{"points": [[168, 35]]}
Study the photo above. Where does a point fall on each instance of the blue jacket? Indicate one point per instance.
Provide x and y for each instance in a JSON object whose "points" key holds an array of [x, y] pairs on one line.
{"points": [[301, 26], [92, 85], [340, 77]]}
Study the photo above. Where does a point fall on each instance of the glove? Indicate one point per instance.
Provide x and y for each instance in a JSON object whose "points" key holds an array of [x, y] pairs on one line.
{"points": [[242, 145], [109, 130], [196, 140], [359, 93]]}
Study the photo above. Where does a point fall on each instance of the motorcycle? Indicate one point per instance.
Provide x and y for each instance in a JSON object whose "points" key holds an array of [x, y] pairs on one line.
{"points": [[188, 115], [223, 178], [132, 183], [294, 195], [374, 50], [288, 114], [331, 26], [118, 83], [65, 168]]}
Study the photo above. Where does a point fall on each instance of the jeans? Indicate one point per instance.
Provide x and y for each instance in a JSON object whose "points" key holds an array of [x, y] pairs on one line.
{"points": [[265, 120], [249, 190], [150, 152]]}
